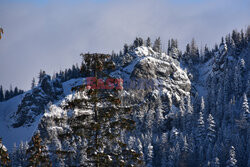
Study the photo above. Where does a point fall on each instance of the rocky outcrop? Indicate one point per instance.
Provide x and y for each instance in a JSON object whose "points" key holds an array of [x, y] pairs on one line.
{"points": [[35, 101], [156, 84], [219, 59]]}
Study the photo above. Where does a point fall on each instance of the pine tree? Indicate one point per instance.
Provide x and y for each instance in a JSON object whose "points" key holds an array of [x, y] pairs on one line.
{"points": [[148, 42], [173, 50], [227, 86], [200, 128], [236, 80], [1, 93], [20, 91], [247, 34], [243, 122], [215, 162], [236, 37], [150, 155], [194, 51], [159, 118], [109, 119], [11, 92], [187, 55], [22, 157], [185, 153], [202, 105], [157, 45], [4, 156], [13, 155], [188, 50], [33, 83], [37, 153], [40, 76], [241, 75], [245, 108], [16, 92], [164, 149], [125, 49], [169, 47], [7, 95], [138, 42], [222, 41], [18, 155], [232, 162], [211, 134], [188, 115]]}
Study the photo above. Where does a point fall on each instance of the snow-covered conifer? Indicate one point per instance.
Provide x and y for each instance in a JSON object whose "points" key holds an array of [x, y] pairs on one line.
{"points": [[245, 108], [211, 132], [150, 155], [37, 153], [157, 45], [148, 42], [232, 162], [4, 156], [215, 162]]}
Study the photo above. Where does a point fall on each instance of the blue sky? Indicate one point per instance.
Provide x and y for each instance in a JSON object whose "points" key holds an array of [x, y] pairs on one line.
{"points": [[51, 34]]}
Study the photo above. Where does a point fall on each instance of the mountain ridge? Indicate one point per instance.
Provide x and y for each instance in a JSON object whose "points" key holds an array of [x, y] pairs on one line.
{"points": [[181, 103]]}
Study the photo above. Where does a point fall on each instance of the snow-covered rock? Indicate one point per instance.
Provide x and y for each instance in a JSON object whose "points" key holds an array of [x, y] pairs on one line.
{"points": [[153, 79]]}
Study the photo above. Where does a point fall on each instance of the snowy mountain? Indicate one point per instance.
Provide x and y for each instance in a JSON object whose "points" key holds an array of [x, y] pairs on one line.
{"points": [[21, 114], [24, 111], [190, 110]]}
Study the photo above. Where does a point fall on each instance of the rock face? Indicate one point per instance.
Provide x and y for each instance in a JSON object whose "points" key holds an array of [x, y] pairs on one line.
{"points": [[220, 57], [34, 102], [150, 71], [155, 86]]}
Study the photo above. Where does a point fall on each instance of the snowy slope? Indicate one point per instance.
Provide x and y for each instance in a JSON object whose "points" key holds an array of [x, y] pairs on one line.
{"points": [[13, 135], [8, 108], [161, 67]]}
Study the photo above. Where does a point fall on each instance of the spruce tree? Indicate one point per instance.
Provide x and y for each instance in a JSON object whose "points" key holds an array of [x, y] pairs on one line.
{"points": [[1, 94], [186, 55], [200, 128], [169, 47], [200, 134], [13, 156], [157, 45], [125, 49], [148, 42], [164, 149], [108, 120], [33, 83], [211, 133], [16, 92], [232, 162], [236, 37], [138, 42], [188, 119], [245, 108], [37, 153], [7, 95], [215, 162], [18, 155], [247, 34], [194, 51], [173, 50], [4, 156], [150, 155], [41, 75], [11, 92], [185, 153]]}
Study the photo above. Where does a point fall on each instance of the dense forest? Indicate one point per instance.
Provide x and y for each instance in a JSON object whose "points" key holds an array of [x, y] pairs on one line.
{"points": [[196, 115]]}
